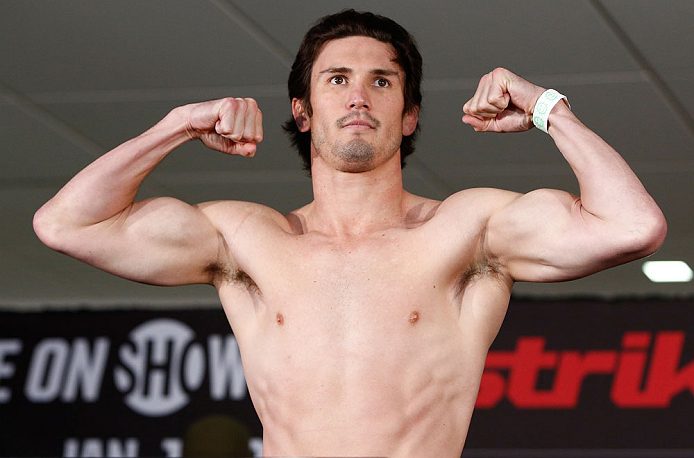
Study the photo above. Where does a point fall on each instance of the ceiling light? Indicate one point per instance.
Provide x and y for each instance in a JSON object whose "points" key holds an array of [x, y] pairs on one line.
{"points": [[667, 271]]}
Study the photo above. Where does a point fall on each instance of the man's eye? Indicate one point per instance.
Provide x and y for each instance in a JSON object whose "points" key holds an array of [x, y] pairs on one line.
{"points": [[382, 82], [337, 80]]}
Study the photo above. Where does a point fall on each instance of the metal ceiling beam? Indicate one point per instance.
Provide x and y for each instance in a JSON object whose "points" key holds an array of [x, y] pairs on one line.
{"points": [[650, 72], [256, 31], [280, 90], [29, 107]]}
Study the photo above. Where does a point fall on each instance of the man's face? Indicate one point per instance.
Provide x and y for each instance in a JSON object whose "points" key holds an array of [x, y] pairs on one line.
{"points": [[357, 101]]}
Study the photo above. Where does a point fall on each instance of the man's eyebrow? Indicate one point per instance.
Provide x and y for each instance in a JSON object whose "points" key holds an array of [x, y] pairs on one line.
{"points": [[384, 72], [347, 70], [336, 70]]}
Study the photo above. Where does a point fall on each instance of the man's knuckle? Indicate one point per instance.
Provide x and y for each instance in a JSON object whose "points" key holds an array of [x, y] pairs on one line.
{"points": [[221, 127], [495, 101], [228, 106]]}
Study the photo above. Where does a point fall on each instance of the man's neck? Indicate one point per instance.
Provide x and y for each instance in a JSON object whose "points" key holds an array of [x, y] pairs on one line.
{"points": [[352, 204]]}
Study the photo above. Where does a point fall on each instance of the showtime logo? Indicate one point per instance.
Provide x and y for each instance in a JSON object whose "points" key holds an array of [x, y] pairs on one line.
{"points": [[156, 370], [162, 364], [640, 379]]}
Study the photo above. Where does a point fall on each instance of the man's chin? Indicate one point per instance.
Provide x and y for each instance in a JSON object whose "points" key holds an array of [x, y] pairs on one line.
{"points": [[356, 167], [356, 156]]}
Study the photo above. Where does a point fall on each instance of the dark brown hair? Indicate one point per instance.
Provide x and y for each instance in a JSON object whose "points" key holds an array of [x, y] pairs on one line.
{"points": [[346, 24]]}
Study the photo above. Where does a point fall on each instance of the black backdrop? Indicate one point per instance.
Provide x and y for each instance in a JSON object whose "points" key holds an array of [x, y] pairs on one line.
{"points": [[563, 378]]}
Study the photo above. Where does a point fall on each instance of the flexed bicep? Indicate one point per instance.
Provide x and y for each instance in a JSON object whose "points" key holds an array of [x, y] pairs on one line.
{"points": [[546, 235], [160, 241]]}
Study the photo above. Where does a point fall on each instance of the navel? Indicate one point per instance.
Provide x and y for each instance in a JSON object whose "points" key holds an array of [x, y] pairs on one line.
{"points": [[280, 319], [414, 317]]}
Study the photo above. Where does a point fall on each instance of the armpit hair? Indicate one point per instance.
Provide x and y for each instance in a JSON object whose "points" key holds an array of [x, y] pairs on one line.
{"points": [[218, 271], [227, 274], [481, 268]]}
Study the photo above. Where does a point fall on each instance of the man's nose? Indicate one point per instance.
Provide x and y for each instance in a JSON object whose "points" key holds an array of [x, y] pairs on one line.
{"points": [[358, 98]]}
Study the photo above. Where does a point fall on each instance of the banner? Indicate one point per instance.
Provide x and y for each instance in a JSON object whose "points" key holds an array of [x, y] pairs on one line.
{"points": [[118, 383], [589, 378], [581, 376]]}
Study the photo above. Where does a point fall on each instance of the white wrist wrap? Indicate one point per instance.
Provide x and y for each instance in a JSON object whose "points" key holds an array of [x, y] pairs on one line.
{"points": [[544, 106]]}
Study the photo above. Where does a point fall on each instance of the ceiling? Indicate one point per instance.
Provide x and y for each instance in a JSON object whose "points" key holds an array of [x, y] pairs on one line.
{"points": [[77, 78]]}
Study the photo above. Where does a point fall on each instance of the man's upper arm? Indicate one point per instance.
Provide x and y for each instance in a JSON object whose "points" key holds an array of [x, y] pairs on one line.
{"points": [[161, 241], [546, 235]]}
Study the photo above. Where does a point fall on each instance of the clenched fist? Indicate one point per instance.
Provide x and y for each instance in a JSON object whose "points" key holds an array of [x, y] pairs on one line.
{"points": [[503, 102], [230, 125]]}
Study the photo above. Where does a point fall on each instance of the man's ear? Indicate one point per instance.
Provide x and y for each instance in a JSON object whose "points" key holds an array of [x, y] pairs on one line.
{"points": [[300, 117], [409, 122]]}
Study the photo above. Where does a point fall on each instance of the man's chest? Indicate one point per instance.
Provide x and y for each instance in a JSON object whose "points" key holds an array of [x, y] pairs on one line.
{"points": [[376, 302], [389, 277], [359, 305], [379, 269]]}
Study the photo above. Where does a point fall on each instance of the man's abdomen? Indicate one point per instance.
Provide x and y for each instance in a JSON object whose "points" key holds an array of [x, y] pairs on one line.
{"points": [[389, 384]]}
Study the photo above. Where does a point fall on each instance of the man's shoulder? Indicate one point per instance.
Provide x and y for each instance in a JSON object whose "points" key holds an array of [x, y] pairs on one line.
{"points": [[481, 202], [469, 210], [471, 204], [233, 213]]}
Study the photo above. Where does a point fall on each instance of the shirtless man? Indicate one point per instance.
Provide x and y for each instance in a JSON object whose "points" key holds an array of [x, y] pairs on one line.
{"points": [[363, 318]]}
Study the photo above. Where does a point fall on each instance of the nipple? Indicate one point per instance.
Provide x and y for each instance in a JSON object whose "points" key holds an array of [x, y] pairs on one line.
{"points": [[280, 319], [414, 317]]}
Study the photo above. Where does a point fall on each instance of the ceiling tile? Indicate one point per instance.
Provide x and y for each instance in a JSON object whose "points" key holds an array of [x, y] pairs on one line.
{"points": [[31, 151], [664, 36], [467, 39], [127, 44]]}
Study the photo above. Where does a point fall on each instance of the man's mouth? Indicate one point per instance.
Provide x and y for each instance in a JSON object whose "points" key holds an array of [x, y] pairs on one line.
{"points": [[359, 122]]}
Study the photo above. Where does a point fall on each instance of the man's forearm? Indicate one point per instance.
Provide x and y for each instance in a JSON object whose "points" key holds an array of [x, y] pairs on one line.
{"points": [[609, 189], [109, 185]]}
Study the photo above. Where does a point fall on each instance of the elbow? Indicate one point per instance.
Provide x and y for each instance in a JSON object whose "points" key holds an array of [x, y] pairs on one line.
{"points": [[658, 232], [650, 234], [47, 229]]}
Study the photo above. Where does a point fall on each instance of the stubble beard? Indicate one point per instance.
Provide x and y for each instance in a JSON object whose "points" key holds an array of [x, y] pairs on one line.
{"points": [[356, 155]]}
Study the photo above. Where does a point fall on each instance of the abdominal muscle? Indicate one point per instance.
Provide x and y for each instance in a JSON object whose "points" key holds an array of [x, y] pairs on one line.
{"points": [[400, 382]]}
